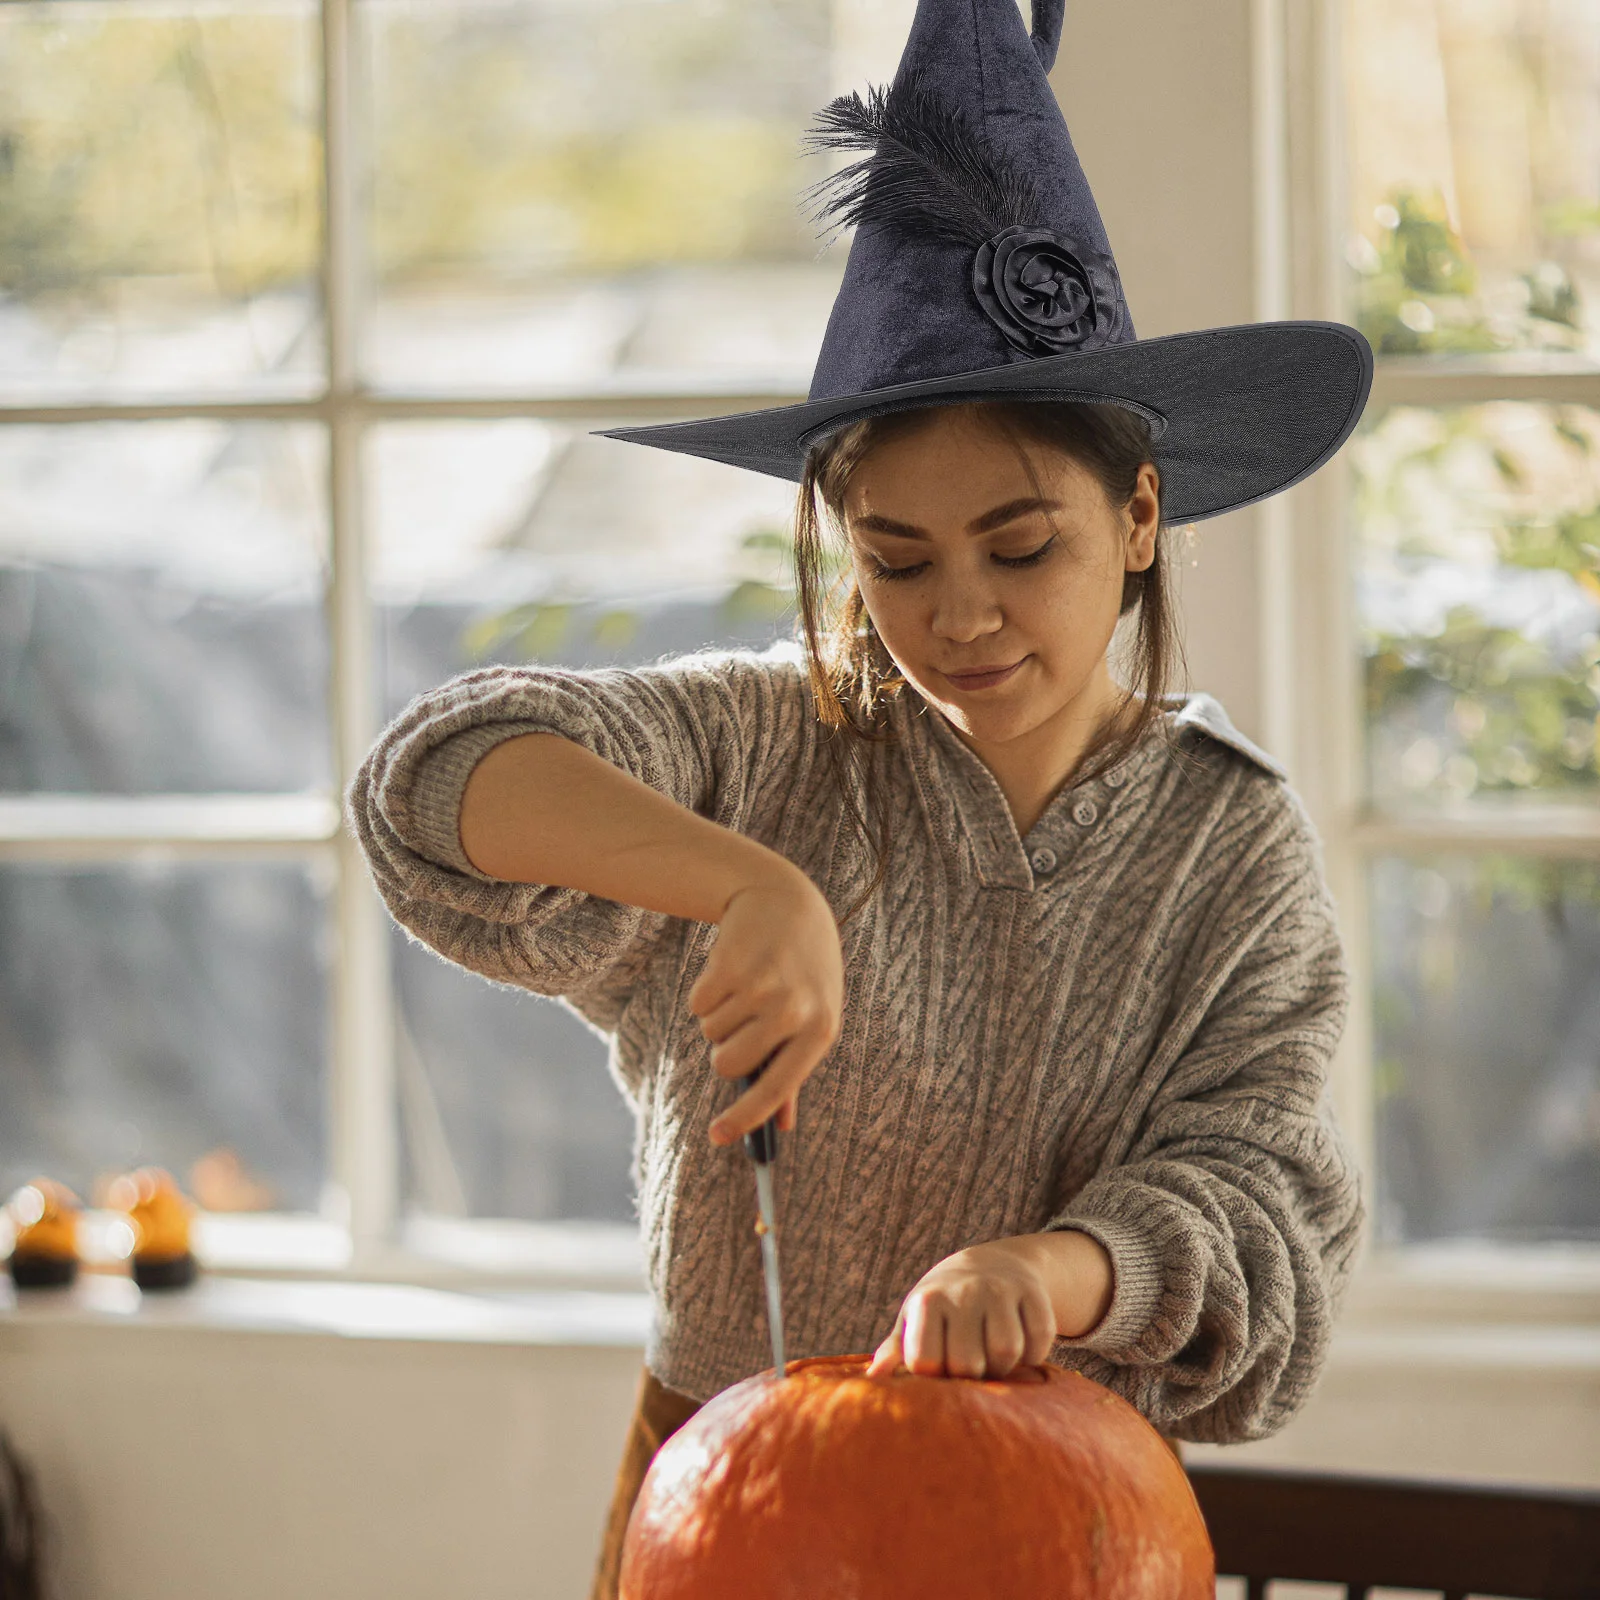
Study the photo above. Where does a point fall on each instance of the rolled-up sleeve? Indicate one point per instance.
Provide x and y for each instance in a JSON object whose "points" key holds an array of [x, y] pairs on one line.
{"points": [[697, 729], [1235, 1213]]}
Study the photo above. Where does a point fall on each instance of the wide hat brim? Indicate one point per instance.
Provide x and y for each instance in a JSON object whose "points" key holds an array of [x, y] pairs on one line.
{"points": [[1237, 413]]}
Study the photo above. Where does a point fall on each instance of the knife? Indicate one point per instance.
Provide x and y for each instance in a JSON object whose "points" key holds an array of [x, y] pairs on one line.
{"points": [[761, 1145]]}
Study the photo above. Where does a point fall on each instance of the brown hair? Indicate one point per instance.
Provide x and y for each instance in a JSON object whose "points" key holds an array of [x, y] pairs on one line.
{"points": [[852, 674]]}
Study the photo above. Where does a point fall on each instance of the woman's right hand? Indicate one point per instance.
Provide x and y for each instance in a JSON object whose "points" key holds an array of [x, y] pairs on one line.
{"points": [[774, 981], [541, 809]]}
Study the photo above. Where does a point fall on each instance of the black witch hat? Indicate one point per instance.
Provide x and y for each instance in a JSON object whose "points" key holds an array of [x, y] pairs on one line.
{"points": [[980, 270]]}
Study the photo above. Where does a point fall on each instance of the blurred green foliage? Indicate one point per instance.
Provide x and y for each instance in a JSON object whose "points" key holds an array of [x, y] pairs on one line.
{"points": [[1417, 290], [157, 145], [1471, 708], [1521, 718], [505, 140], [760, 588], [594, 138]]}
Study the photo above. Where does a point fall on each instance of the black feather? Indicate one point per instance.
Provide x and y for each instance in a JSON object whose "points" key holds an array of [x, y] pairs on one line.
{"points": [[930, 171]]}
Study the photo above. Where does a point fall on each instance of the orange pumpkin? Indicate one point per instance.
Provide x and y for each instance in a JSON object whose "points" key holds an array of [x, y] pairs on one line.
{"points": [[43, 1217], [1041, 1486], [158, 1215]]}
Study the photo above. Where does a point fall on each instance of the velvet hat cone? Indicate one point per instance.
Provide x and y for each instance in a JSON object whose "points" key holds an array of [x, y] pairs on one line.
{"points": [[980, 270]]}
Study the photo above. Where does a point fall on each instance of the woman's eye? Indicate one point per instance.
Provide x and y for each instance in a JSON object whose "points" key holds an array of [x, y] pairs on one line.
{"points": [[1029, 559], [886, 574]]}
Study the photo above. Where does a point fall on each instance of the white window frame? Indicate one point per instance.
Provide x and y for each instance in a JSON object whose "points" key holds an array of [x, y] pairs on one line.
{"points": [[365, 1239], [1311, 715]]}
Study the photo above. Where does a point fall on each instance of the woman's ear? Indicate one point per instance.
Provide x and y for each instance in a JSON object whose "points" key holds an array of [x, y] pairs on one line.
{"points": [[1141, 547], [1145, 509]]}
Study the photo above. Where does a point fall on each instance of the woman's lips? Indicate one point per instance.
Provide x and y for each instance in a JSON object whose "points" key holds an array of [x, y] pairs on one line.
{"points": [[987, 678]]}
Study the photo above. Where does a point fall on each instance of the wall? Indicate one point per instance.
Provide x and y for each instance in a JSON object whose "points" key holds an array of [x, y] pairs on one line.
{"points": [[1157, 98], [219, 1465]]}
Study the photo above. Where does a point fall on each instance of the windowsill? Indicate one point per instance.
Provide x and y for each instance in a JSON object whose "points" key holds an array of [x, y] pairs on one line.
{"points": [[432, 1252], [87, 820], [1466, 1283], [590, 1318], [1527, 1348], [343, 1310], [1455, 1307], [1458, 1281]]}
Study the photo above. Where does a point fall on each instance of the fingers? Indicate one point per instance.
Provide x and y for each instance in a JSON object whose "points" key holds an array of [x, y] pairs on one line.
{"points": [[962, 1336], [728, 1014], [1003, 1339], [754, 1044], [964, 1353], [777, 1087], [923, 1339], [711, 989], [1038, 1329], [746, 1027], [770, 997], [889, 1357]]}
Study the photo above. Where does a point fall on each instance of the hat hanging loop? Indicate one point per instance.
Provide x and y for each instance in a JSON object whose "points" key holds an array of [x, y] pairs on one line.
{"points": [[1047, 19]]}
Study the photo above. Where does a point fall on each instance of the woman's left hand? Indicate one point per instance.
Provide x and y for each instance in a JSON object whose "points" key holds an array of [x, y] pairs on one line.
{"points": [[991, 1307]]}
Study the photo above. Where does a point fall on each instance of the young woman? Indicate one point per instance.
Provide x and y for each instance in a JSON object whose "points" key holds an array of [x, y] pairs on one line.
{"points": [[1044, 961]]}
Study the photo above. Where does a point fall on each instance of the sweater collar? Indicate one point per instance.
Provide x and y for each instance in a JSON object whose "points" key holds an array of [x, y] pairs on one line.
{"points": [[966, 809], [1204, 712]]}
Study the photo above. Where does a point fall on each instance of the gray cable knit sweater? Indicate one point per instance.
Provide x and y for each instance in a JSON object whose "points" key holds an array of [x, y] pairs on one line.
{"points": [[1121, 1023]]}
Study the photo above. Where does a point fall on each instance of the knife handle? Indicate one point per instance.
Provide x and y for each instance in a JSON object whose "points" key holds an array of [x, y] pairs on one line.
{"points": [[761, 1144]]}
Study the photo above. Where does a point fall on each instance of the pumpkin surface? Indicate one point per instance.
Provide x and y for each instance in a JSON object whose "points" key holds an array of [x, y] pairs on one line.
{"points": [[828, 1485]]}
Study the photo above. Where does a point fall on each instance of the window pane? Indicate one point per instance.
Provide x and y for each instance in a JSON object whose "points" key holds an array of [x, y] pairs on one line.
{"points": [[1474, 174], [522, 540], [1487, 1008], [1479, 600], [516, 541], [159, 198], [505, 1101], [165, 1013], [161, 622], [565, 191]]}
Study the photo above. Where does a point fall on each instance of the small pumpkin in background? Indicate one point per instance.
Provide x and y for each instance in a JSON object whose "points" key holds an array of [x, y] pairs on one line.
{"points": [[158, 1215], [1043, 1485], [42, 1219]]}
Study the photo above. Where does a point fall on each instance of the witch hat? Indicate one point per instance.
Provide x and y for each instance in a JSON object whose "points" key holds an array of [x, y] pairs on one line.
{"points": [[980, 270]]}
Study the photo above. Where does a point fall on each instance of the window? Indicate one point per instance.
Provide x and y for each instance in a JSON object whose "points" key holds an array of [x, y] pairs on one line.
{"points": [[1472, 262], [306, 313]]}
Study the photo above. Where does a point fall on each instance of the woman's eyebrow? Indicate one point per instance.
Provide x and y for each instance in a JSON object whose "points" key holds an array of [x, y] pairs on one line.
{"points": [[993, 518]]}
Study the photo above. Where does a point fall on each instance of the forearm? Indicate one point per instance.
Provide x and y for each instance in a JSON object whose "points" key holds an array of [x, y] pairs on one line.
{"points": [[541, 808]]}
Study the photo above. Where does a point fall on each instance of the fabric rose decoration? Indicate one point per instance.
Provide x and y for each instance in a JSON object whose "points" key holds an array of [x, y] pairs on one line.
{"points": [[1043, 295]]}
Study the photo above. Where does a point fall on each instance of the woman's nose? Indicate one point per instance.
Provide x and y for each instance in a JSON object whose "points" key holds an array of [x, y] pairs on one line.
{"points": [[964, 611]]}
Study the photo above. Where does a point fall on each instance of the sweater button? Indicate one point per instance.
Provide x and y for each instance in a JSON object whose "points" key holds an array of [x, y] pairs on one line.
{"points": [[1084, 812], [1115, 780], [1043, 860]]}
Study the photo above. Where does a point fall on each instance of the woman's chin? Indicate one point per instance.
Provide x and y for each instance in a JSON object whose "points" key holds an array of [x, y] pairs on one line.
{"points": [[990, 724]]}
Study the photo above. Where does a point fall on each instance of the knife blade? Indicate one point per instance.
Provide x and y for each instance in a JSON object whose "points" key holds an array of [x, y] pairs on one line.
{"points": [[761, 1145]]}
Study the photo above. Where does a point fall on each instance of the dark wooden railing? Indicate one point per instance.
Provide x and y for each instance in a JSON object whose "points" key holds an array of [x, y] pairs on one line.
{"points": [[1402, 1533]]}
